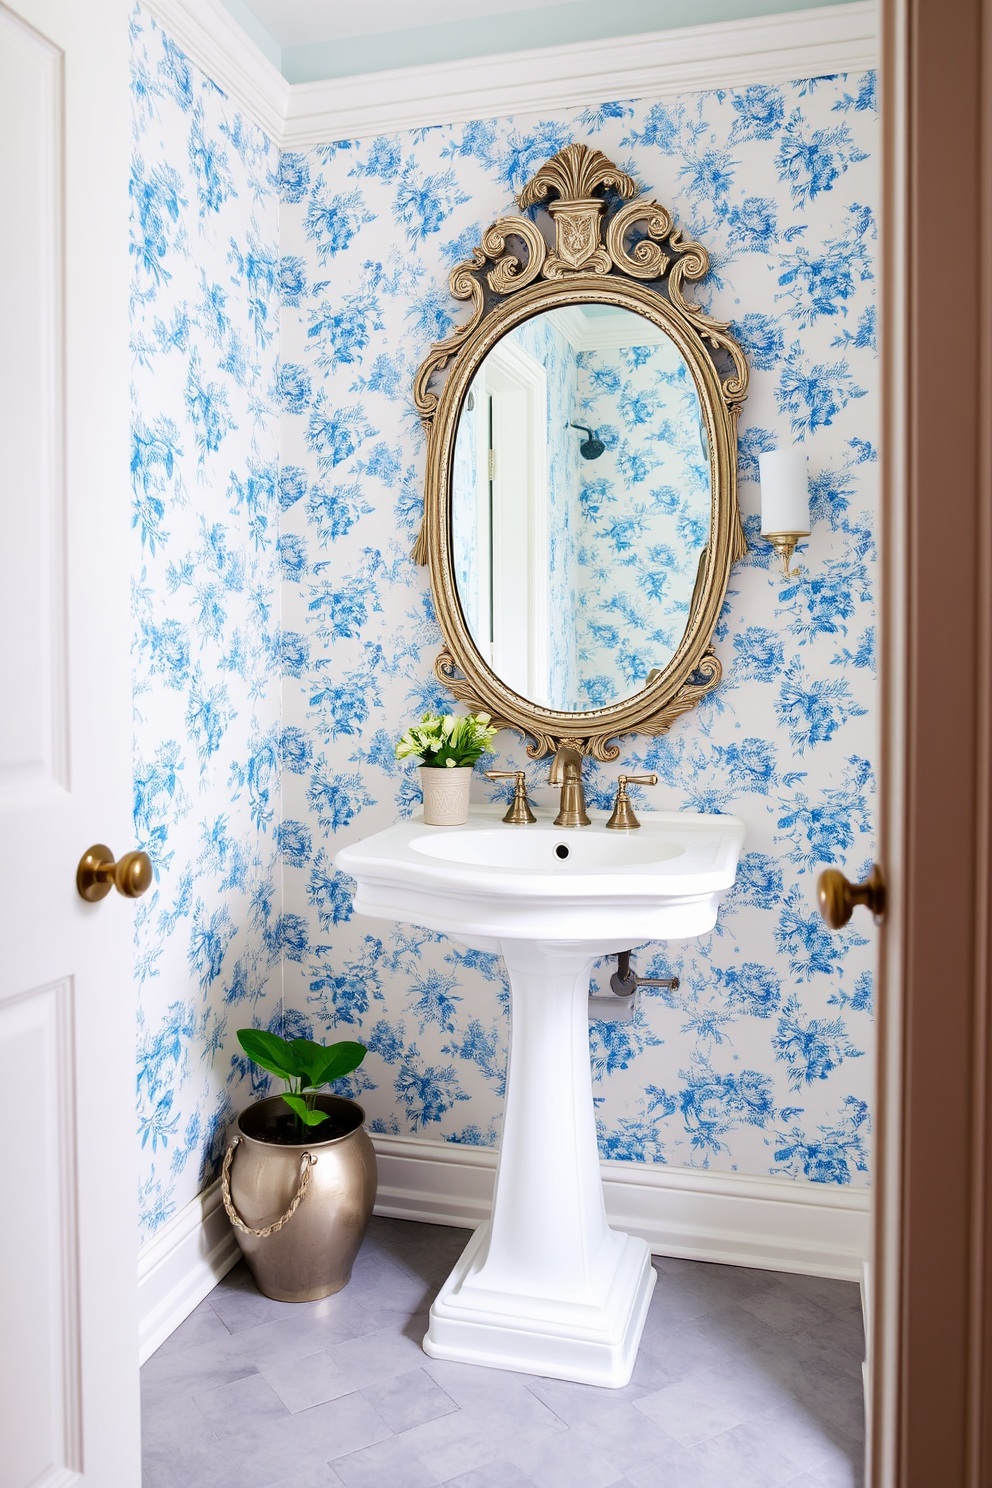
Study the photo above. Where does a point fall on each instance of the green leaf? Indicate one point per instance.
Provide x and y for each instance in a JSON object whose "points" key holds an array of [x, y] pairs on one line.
{"points": [[309, 1058], [270, 1051], [339, 1060], [299, 1105]]}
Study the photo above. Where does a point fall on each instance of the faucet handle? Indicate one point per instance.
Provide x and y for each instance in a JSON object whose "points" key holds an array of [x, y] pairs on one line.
{"points": [[623, 818], [518, 813]]}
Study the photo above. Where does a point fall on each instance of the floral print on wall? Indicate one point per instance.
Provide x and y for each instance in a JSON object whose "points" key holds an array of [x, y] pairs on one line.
{"points": [[761, 1061], [207, 648], [281, 453]]}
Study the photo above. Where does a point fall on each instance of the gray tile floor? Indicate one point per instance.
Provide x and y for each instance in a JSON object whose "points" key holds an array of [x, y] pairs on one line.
{"points": [[745, 1379]]}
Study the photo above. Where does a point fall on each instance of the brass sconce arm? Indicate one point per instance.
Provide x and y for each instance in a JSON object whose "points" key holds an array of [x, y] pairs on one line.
{"points": [[785, 544]]}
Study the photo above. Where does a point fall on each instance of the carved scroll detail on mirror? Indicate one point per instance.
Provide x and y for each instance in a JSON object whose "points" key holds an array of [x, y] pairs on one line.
{"points": [[601, 746], [574, 174], [612, 250]]}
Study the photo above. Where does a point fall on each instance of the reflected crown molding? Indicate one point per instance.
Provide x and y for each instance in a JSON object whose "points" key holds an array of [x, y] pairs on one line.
{"points": [[765, 49], [604, 332]]}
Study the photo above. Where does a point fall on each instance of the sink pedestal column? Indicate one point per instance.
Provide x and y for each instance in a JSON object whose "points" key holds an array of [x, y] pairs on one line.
{"points": [[546, 1287]]}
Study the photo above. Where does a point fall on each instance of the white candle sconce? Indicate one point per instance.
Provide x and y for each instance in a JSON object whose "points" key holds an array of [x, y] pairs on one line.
{"points": [[784, 503]]}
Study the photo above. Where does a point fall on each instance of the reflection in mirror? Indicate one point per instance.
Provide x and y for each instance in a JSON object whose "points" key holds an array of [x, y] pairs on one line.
{"points": [[580, 505]]}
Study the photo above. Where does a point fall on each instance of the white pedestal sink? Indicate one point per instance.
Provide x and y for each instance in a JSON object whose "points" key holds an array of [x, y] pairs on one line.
{"points": [[546, 1287]]}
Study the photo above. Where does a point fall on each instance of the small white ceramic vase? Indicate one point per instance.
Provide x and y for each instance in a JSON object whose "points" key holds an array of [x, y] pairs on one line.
{"points": [[445, 795]]}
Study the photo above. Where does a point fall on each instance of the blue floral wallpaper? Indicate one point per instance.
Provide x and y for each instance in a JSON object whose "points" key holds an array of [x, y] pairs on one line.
{"points": [[208, 655], [762, 1061], [280, 310]]}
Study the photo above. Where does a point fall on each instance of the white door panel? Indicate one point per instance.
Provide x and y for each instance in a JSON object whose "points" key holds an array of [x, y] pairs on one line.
{"points": [[33, 743], [68, 1361], [41, 1377]]}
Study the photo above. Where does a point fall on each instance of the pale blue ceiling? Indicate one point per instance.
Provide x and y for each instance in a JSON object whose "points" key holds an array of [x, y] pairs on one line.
{"points": [[338, 52]]}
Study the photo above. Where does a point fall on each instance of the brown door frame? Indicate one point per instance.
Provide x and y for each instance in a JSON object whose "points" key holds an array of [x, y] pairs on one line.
{"points": [[932, 1355]]}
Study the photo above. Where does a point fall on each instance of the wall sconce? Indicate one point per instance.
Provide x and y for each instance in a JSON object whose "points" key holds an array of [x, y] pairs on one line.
{"points": [[784, 502]]}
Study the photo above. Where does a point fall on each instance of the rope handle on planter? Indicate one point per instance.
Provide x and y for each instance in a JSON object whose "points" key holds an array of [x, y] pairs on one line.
{"points": [[306, 1163]]}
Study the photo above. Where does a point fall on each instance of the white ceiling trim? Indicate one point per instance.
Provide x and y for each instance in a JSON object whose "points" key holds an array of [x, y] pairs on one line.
{"points": [[765, 49]]}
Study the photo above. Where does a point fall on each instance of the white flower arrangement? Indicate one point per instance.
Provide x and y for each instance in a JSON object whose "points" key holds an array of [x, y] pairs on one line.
{"points": [[451, 741]]}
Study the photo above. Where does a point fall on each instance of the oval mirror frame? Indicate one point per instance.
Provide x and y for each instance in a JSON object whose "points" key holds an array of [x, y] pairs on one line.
{"points": [[608, 250]]}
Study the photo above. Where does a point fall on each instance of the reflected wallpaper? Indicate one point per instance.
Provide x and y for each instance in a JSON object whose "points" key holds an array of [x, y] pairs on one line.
{"points": [[644, 517], [286, 444]]}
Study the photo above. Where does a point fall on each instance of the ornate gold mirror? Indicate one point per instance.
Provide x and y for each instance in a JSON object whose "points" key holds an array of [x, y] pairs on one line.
{"points": [[580, 514]]}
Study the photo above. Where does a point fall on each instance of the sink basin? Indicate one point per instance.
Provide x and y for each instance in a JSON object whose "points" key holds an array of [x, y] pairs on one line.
{"points": [[546, 849], [486, 881], [546, 1287]]}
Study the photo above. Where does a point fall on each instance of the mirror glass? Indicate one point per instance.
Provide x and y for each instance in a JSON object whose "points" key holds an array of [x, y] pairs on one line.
{"points": [[580, 505]]}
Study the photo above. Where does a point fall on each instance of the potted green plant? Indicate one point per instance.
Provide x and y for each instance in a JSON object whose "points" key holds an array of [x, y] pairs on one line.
{"points": [[448, 747], [299, 1177]]}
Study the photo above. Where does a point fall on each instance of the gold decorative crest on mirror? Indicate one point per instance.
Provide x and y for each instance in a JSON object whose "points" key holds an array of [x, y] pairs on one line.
{"points": [[578, 580]]}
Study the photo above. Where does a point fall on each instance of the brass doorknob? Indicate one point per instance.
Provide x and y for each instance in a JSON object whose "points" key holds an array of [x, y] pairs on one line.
{"points": [[837, 896], [97, 874]]}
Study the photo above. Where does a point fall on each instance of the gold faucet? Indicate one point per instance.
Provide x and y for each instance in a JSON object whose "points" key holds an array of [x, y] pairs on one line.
{"points": [[566, 771]]}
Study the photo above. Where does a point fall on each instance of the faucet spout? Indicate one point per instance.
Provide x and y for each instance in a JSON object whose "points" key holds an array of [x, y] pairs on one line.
{"points": [[566, 772]]}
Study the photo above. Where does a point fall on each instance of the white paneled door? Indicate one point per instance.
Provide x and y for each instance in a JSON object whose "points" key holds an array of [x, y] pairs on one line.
{"points": [[68, 1351]]}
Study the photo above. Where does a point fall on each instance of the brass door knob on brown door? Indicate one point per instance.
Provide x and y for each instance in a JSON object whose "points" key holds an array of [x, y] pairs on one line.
{"points": [[97, 874], [838, 897]]}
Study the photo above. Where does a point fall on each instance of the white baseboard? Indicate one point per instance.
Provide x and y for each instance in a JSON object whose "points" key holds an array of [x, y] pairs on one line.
{"points": [[774, 1224], [436, 1182], [183, 1261]]}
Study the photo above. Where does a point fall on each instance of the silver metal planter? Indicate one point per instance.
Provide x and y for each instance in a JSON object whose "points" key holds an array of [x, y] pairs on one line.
{"points": [[300, 1211]]}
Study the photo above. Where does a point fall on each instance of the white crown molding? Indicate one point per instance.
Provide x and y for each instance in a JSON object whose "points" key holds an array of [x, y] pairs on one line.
{"points": [[776, 1224], [767, 49], [212, 38]]}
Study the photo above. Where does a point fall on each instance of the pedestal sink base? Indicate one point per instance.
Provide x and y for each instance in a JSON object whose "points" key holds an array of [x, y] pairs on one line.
{"points": [[547, 1287], [581, 1341]]}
